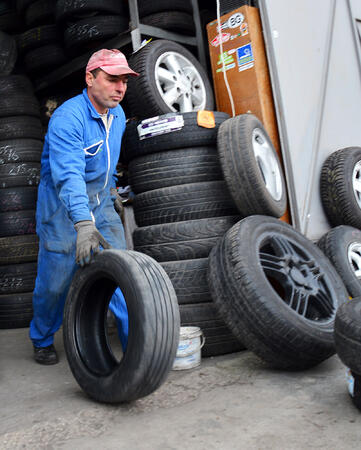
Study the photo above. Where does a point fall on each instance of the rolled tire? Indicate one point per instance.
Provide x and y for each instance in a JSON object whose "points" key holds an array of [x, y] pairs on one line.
{"points": [[190, 135], [20, 150], [176, 21], [17, 278], [20, 127], [20, 174], [162, 66], [18, 249], [17, 223], [184, 202], [276, 291], [339, 187], [182, 240], [174, 167], [251, 167], [16, 310], [8, 53], [18, 198], [153, 317]]}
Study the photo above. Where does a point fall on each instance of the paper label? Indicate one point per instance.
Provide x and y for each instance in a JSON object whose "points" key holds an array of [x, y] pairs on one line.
{"points": [[206, 119], [155, 125], [245, 58]]}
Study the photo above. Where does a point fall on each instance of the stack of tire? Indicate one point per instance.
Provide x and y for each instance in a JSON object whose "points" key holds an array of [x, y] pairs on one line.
{"points": [[20, 152], [40, 45], [182, 207]]}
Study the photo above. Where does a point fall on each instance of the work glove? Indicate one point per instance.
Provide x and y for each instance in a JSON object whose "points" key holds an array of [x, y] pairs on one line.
{"points": [[87, 241], [118, 204]]}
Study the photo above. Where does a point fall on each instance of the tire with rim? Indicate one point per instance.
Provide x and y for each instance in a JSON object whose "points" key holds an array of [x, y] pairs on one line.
{"points": [[342, 245], [153, 317], [276, 291], [251, 167], [340, 187], [171, 80]]}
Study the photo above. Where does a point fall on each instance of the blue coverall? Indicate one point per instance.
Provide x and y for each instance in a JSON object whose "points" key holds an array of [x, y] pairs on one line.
{"points": [[78, 168]]}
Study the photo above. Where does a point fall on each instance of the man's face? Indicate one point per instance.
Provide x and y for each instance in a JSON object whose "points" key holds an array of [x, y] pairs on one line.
{"points": [[106, 91]]}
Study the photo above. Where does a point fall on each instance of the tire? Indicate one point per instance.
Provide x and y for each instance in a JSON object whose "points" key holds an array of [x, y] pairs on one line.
{"points": [[40, 12], [46, 57], [348, 334], [20, 174], [342, 245], [182, 240], [17, 278], [17, 223], [8, 53], [20, 150], [38, 37], [174, 167], [16, 199], [145, 7], [66, 9], [153, 326], [190, 135], [257, 273], [93, 29], [21, 5], [184, 202], [340, 196], [20, 127], [176, 21], [13, 84], [251, 167], [19, 249], [16, 310], [10, 22], [144, 97], [19, 104]]}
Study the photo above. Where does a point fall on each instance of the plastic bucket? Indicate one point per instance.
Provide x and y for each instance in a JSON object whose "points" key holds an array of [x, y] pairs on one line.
{"points": [[191, 340]]}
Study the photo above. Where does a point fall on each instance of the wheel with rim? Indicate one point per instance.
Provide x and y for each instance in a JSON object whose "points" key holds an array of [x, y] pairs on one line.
{"points": [[276, 291], [340, 187], [171, 80], [251, 167]]}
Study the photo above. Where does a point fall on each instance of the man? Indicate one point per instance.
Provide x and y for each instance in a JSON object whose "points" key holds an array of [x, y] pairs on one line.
{"points": [[75, 208]]}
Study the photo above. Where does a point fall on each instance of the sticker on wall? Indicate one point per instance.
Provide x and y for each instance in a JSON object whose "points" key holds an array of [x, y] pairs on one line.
{"points": [[216, 41], [234, 36], [245, 57], [235, 20], [226, 67], [226, 58], [244, 29]]}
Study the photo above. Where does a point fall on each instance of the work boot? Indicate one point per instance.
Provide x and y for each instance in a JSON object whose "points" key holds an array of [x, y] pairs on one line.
{"points": [[46, 355]]}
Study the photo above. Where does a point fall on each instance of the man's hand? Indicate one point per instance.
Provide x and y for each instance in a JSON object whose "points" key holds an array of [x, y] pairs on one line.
{"points": [[118, 204], [88, 241]]}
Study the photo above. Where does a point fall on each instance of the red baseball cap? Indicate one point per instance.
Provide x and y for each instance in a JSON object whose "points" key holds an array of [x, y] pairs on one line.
{"points": [[112, 62]]}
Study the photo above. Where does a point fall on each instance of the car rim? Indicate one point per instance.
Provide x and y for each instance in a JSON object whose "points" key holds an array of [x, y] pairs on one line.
{"points": [[354, 258], [179, 83], [297, 278], [356, 182], [267, 163]]}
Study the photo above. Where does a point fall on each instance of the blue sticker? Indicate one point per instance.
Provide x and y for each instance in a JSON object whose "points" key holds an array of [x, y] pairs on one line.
{"points": [[245, 57]]}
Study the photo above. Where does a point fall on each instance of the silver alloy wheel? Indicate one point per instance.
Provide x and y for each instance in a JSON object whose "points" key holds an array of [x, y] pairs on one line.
{"points": [[354, 258], [356, 182], [179, 83], [267, 163]]}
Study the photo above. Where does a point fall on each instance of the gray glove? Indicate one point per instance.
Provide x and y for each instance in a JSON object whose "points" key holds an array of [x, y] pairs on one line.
{"points": [[88, 241], [118, 204]]}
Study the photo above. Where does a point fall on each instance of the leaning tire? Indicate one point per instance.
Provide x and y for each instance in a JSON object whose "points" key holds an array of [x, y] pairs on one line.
{"points": [[251, 167], [162, 66], [153, 326], [339, 185], [276, 291]]}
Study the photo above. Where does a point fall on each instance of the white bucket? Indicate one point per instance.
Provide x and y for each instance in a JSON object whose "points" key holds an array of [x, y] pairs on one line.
{"points": [[191, 340]]}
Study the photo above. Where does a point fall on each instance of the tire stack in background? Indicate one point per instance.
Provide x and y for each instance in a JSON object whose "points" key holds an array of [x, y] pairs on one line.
{"points": [[182, 207], [21, 144]]}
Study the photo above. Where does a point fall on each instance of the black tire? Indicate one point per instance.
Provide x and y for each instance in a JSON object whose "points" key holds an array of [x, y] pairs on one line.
{"points": [[46, 57], [8, 53], [337, 194], [182, 240], [21, 5], [16, 199], [38, 37], [276, 291], [66, 9], [40, 12], [176, 21], [348, 334], [184, 202], [10, 22], [245, 173], [20, 174], [17, 278], [145, 7], [342, 245], [16, 310], [19, 104], [13, 84], [219, 340], [174, 167], [153, 326], [143, 96], [20, 150], [93, 29], [190, 135], [19, 249], [17, 223], [20, 127]]}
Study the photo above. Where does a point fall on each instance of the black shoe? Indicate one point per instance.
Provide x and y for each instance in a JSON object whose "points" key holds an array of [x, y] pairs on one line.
{"points": [[46, 355]]}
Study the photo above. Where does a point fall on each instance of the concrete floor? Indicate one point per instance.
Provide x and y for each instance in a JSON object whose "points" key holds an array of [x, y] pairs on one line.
{"points": [[230, 402]]}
